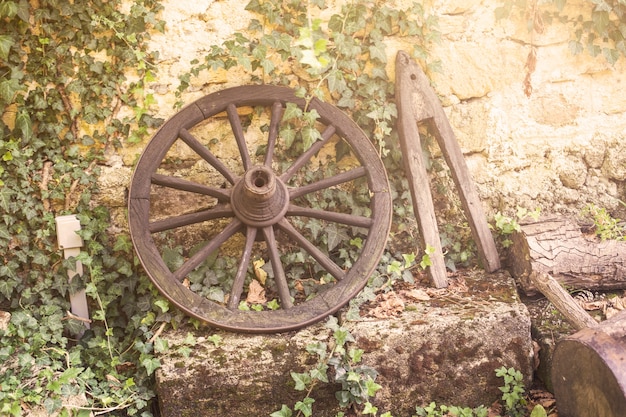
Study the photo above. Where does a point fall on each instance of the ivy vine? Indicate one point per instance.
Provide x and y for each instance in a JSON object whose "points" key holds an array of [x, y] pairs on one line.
{"points": [[598, 29], [67, 72], [341, 59]]}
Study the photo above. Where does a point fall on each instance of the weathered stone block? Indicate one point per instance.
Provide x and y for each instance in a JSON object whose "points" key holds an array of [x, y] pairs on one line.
{"points": [[443, 349]]}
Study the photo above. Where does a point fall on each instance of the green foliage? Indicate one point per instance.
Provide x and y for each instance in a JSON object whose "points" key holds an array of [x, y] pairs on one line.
{"points": [[432, 410], [506, 226], [358, 384], [64, 69], [599, 28], [512, 391], [358, 381], [513, 399], [606, 226], [341, 59]]}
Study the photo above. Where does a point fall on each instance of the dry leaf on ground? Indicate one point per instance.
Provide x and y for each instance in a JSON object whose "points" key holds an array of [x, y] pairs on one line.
{"points": [[416, 294], [256, 293], [388, 305], [259, 272]]}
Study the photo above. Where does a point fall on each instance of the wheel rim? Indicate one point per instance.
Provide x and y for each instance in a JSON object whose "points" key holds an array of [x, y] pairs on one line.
{"points": [[265, 206]]}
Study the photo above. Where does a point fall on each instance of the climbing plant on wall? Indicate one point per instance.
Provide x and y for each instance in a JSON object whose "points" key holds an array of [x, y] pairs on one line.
{"points": [[341, 58], [598, 29], [72, 88]]}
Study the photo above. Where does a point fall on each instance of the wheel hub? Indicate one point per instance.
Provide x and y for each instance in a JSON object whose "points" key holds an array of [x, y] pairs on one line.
{"points": [[260, 198]]}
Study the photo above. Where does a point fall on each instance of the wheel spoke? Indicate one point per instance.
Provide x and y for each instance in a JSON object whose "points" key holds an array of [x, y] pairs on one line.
{"points": [[193, 187], [240, 202], [347, 219], [235, 124], [217, 212], [277, 114], [317, 254], [201, 150], [279, 272], [308, 154], [240, 277], [327, 182], [208, 249]]}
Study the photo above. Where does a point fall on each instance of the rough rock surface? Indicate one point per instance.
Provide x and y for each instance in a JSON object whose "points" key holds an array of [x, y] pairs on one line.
{"points": [[444, 347]]}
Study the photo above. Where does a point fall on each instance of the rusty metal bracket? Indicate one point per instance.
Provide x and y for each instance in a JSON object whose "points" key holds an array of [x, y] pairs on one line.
{"points": [[419, 105]]}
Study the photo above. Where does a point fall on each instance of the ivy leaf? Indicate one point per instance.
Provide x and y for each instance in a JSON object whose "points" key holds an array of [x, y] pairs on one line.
{"points": [[538, 411], [7, 286], [268, 65], [6, 42], [611, 55], [377, 52], [40, 258], [8, 88], [372, 387], [288, 134], [370, 409], [601, 22], [292, 111], [301, 380], [5, 198], [69, 375], [335, 236], [23, 11], [8, 9], [309, 58], [282, 42], [163, 305], [4, 233], [320, 373], [123, 243], [161, 345], [24, 124], [336, 82], [305, 406], [309, 136], [318, 348], [151, 365], [283, 412]]}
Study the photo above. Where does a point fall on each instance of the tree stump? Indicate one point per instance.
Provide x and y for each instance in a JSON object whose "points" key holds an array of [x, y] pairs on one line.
{"points": [[558, 247], [589, 371]]}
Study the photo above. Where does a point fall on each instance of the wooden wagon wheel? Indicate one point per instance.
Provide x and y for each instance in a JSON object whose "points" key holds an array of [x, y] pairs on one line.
{"points": [[200, 199]]}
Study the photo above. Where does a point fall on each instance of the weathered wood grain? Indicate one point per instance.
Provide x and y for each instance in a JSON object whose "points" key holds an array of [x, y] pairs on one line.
{"points": [[589, 371], [418, 104], [558, 247]]}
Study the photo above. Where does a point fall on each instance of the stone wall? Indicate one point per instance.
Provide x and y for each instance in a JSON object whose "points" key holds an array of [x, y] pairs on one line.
{"points": [[558, 149]]}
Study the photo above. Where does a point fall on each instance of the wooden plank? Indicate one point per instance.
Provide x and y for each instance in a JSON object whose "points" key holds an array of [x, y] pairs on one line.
{"points": [[417, 176], [420, 102]]}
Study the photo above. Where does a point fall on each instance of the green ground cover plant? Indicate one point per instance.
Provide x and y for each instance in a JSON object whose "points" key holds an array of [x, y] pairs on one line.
{"points": [[66, 71], [340, 363], [605, 225]]}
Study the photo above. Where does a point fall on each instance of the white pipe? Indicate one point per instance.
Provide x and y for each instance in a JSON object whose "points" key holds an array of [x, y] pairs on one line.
{"points": [[71, 242]]}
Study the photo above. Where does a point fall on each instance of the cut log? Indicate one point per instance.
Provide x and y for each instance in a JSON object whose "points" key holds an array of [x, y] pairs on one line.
{"points": [[589, 371], [559, 248]]}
